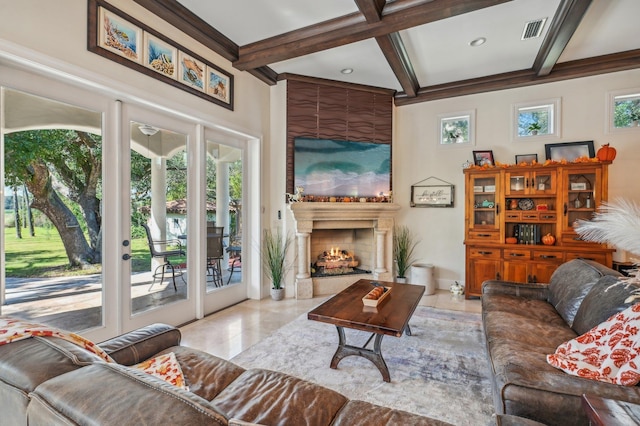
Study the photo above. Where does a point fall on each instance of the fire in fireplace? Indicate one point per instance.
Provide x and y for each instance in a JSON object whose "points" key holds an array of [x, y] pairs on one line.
{"points": [[336, 262]]}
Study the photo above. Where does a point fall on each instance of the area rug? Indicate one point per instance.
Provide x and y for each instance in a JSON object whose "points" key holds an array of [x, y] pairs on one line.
{"points": [[440, 371]]}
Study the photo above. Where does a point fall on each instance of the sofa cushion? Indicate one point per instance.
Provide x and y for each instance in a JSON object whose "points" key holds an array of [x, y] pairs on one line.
{"points": [[357, 413], [114, 394], [165, 367], [206, 374], [273, 398], [606, 298], [571, 282], [607, 352]]}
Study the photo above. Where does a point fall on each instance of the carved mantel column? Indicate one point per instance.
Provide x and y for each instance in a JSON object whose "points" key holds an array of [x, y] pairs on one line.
{"points": [[303, 232]]}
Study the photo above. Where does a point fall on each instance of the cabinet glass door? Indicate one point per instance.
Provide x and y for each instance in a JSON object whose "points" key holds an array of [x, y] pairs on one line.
{"points": [[485, 208], [580, 192]]}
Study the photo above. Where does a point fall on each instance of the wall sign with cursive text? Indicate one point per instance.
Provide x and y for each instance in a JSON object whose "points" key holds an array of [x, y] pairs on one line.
{"points": [[440, 195]]}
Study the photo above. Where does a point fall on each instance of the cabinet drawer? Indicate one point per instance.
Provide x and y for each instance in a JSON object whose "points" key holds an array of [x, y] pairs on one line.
{"points": [[488, 235], [519, 254], [597, 257], [547, 216], [512, 215], [530, 215], [485, 253], [548, 256]]}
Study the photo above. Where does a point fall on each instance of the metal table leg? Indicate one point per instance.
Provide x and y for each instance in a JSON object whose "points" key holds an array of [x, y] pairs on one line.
{"points": [[374, 355]]}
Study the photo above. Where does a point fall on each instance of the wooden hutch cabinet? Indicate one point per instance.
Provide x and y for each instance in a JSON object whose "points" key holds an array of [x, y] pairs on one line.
{"points": [[509, 210]]}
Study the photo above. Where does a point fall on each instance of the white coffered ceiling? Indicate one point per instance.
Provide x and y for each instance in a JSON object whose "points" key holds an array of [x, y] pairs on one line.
{"points": [[433, 53]]}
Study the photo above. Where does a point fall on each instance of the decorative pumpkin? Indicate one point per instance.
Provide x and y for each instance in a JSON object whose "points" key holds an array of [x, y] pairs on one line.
{"points": [[606, 153], [548, 240]]}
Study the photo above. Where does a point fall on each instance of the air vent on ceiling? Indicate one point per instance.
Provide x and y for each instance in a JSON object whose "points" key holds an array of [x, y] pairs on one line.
{"points": [[533, 29]]}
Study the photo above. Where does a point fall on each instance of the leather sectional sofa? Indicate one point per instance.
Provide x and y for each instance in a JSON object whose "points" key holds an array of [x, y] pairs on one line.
{"points": [[523, 323], [50, 381]]}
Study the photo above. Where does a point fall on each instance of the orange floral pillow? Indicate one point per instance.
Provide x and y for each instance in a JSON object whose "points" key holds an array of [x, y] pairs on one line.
{"points": [[609, 352], [165, 367]]}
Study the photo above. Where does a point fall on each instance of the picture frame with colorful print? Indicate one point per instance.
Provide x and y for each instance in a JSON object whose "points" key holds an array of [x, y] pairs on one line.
{"points": [[219, 84], [119, 36], [191, 71], [160, 56], [483, 158]]}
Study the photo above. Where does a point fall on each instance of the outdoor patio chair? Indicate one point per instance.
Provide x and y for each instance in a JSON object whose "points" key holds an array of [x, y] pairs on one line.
{"points": [[165, 255], [215, 253]]}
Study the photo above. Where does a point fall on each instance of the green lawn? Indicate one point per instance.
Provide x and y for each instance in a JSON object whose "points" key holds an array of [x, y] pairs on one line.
{"points": [[44, 255]]}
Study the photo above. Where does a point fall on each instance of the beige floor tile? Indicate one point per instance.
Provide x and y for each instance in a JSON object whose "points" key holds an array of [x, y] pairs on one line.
{"points": [[235, 329]]}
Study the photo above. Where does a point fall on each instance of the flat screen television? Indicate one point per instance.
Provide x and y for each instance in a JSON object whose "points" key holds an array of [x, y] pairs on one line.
{"points": [[326, 167]]}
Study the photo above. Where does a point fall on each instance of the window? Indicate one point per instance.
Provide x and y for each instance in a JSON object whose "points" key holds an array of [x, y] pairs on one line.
{"points": [[537, 119], [455, 129], [624, 110]]}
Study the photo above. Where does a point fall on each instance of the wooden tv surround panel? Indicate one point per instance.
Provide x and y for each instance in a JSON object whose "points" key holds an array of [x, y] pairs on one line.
{"points": [[510, 211]]}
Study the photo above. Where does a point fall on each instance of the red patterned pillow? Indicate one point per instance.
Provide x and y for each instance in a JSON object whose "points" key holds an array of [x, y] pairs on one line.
{"points": [[165, 367], [608, 352]]}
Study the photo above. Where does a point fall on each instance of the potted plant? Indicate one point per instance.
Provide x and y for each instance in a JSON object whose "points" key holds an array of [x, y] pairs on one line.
{"points": [[404, 245], [534, 128], [275, 247]]}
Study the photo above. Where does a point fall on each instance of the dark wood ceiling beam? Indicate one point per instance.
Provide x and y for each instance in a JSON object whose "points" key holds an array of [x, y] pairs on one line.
{"points": [[192, 25], [398, 15], [371, 9], [394, 51], [564, 24], [563, 71], [392, 47]]}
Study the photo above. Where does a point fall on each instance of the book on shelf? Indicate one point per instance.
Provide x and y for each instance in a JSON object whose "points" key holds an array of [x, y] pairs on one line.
{"points": [[527, 233]]}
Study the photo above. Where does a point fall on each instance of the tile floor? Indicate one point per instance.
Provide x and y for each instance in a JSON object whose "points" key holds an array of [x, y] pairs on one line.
{"points": [[233, 330]]}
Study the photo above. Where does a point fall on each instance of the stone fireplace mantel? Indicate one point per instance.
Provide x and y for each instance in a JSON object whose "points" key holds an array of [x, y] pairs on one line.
{"points": [[309, 216]]}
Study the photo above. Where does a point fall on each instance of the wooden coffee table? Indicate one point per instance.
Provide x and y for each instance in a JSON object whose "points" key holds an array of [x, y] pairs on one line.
{"points": [[391, 317]]}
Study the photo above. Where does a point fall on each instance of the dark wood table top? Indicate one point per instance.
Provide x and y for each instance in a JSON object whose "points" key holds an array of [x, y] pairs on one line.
{"points": [[391, 317], [609, 412]]}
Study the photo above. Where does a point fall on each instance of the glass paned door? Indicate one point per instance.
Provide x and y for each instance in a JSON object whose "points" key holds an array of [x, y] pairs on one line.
{"points": [[52, 218], [224, 214], [158, 188]]}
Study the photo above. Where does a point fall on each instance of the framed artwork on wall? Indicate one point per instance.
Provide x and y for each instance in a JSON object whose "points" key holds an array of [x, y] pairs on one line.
{"points": [[483, 158], [121, 38], [569, 151], [526, 158]]}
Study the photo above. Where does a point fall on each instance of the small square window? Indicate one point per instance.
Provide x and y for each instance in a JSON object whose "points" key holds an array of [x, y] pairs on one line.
{"points": [[456, 129], [624, 110], [536, 119]]}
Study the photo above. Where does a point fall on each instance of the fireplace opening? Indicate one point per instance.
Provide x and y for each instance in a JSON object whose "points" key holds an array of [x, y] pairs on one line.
{"points": [[337, 252]]}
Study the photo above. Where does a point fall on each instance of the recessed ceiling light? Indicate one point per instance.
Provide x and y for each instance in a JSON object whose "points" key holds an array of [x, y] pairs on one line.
{"points": [[477, 42], [346, 70]]}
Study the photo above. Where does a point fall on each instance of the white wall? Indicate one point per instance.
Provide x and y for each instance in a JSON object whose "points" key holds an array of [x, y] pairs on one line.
{"points": [[416, 154]]}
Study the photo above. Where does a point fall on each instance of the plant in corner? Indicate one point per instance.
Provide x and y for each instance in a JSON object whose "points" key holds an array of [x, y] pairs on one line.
{"points": [[275, 247], [404, 245]]}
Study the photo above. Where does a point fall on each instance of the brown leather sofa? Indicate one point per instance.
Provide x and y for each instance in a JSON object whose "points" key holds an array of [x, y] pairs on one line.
{"points": [[49, 381], [525, 322]]}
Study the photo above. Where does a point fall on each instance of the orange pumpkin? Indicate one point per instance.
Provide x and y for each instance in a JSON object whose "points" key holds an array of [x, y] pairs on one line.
{"points": [[548, 240], [606, 153]]}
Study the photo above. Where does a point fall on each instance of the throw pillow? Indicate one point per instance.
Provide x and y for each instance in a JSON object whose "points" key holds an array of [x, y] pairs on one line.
{"points": [[608, 352], [165, 367]]}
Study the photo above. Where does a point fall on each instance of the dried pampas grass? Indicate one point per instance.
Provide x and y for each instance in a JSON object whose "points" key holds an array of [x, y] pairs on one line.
{"points": [[616, 223]]}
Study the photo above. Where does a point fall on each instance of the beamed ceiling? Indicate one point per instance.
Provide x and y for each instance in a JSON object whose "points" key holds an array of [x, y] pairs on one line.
{"points": [[418, 48]]}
